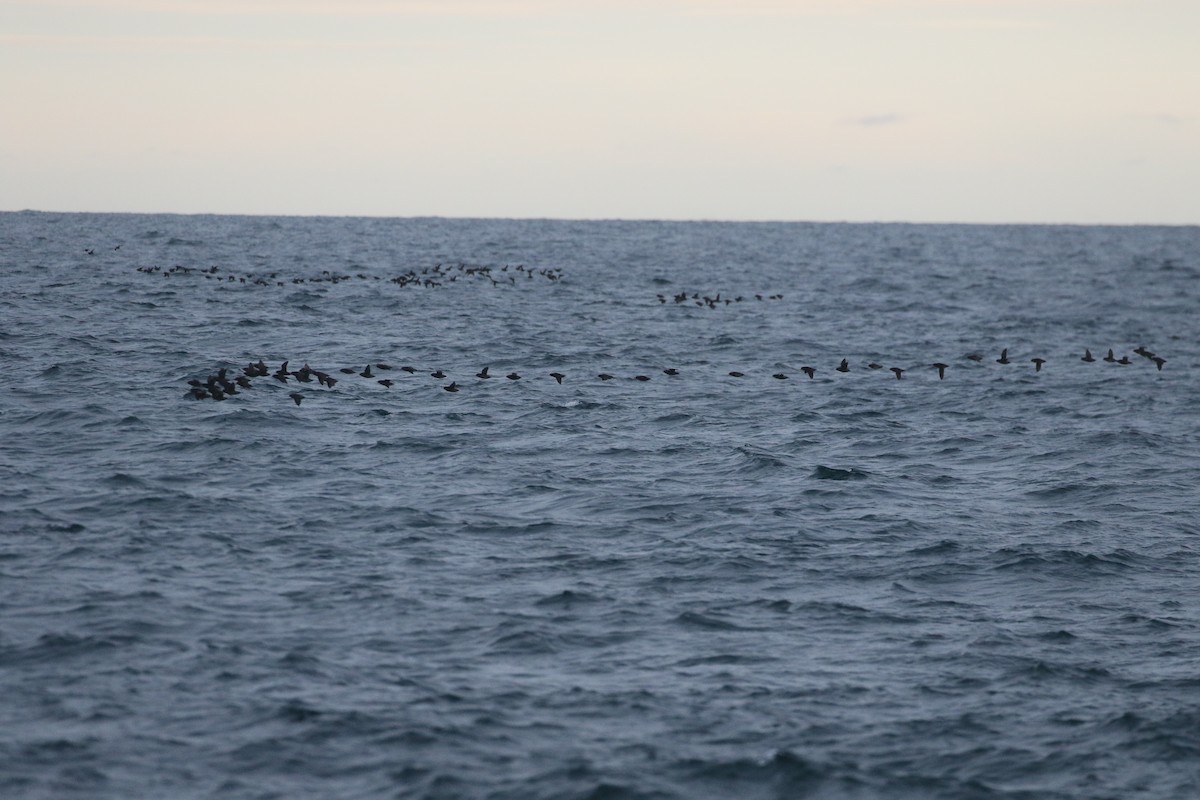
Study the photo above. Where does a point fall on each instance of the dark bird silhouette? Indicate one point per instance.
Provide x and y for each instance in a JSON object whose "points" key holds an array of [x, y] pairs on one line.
{"points": [[809, 371], [451, 387], [1003, 359], [873, 365], [842, 367], [641, 377], [296, 397], [1143, 352], [349, 370], [779, 376], [671, 371], [1110, 358], [512, 376], [941, 368], [604, 376], [385, 382], [483, 373], [558, 376], [409, 370], [1037, 364], [366, 373], [383, 366], [1087, 356], [975, 356], [438, 374], [1158, 362], [899, 373], [737, 374], [1124, 360]]}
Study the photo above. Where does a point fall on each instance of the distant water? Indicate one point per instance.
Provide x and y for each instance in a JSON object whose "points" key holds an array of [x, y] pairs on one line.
{"points": [[696, 586]]}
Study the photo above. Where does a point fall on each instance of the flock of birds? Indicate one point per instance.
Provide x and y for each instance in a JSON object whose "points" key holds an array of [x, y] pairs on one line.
{"points": [[695, 298], [432, 278], [222, 384], [426, 277]]}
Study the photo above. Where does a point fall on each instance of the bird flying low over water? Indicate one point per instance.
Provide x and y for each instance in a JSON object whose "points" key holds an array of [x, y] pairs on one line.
{"points": [[558, 376], [899, 373], [1037, 364], [1003, 359], [941, 368], [842, 367], [483, 373], [296, 397], [1087, 356], [451, 387], [810, 371]]}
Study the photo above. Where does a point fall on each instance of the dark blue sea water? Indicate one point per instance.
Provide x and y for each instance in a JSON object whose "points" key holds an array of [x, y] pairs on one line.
{"points": [[695, 586]]}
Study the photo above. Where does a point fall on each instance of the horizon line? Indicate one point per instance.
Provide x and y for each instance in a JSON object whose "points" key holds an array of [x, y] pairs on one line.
{"points": [[537, 218]]}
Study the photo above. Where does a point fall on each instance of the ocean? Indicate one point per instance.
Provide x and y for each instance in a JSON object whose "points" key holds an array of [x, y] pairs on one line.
{"points": [[860, 584]]}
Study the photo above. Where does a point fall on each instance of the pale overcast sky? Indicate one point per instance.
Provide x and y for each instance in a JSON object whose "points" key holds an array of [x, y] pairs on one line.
{"points": [[921, 110]]}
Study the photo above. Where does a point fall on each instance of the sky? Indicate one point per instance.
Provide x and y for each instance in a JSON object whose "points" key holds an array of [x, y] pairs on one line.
{"points": [[1044, 111]]}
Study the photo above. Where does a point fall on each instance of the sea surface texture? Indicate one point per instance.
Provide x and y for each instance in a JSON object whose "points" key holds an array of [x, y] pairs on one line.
{"points": [[699, 585]]}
